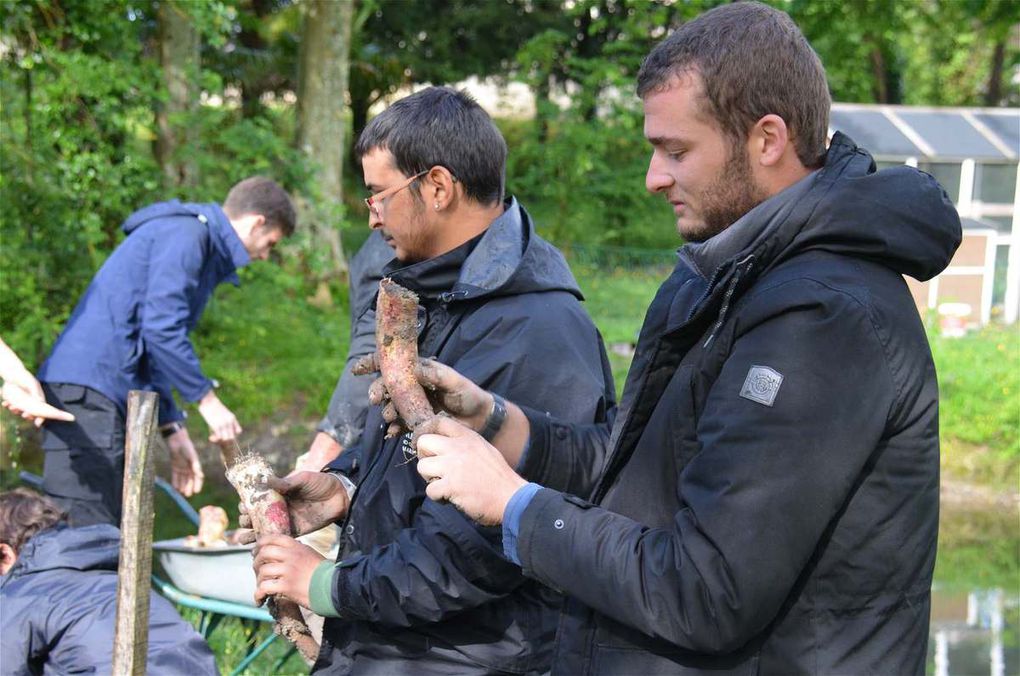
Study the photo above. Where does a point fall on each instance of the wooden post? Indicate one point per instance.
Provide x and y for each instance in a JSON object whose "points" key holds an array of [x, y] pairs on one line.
{"points": [[131, 644]]}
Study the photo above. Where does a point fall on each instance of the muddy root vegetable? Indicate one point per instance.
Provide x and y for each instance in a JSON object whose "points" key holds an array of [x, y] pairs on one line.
{"points": [[396, 335], [248, 474]]}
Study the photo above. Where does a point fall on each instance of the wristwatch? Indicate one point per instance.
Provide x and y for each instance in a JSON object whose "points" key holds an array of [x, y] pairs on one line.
{"points": [[348, 485], [171, 428], [497, 416]]}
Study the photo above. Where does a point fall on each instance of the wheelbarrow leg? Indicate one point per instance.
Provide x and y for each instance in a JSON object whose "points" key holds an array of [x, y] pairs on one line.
{"points": [[250, 657], [283, 660], [209, 622]]}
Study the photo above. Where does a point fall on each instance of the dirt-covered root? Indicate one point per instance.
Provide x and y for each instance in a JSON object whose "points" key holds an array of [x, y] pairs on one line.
{"points": [[396, 335], [249, 476]]}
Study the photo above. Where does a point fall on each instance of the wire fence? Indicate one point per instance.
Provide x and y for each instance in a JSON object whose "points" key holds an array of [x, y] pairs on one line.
{"points": [[657, 263]]}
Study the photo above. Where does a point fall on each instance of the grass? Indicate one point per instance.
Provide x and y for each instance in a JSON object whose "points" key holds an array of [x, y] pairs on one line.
{"points": [[229, 642], [979, 387], [274, 343], [979, 375]]}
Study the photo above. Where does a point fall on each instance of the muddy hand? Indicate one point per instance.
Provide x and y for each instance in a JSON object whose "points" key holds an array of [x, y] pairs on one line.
{"points": [[448, 391], [314, 500], [461, 467]]}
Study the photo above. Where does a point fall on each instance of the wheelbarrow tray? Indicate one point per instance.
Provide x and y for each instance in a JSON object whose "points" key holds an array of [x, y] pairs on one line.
{"points": [[223, 573]]}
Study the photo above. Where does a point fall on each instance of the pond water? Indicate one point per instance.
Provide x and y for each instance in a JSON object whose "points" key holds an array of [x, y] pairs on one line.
{"points": [[975, 619]]}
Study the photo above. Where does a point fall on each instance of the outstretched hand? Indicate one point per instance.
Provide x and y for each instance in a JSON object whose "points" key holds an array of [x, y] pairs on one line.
{"points": [[314, 500], [223, 425], [28, 401], [448, 391], [464, 469], [186, 473]]}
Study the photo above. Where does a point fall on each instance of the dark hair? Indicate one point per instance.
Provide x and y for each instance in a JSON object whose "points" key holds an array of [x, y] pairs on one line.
{"points": [[445, 127], [23, 513], [264, 196], [753, 61]]}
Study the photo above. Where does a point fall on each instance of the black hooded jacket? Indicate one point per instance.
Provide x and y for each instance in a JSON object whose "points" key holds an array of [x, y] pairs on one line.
{"points": [[419, 588], [770, 496], [59, 609]]}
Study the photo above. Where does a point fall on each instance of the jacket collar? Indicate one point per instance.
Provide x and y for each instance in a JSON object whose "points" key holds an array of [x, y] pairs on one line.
{"points": [[509, 258], [225, 240]]}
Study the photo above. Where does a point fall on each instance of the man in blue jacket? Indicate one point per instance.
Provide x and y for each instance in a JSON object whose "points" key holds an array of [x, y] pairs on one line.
{"points": [[344, 421], [58, 591], [130, 331]]}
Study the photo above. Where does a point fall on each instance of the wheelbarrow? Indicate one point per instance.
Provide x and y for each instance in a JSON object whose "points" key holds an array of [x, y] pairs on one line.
{"points": [[197, 581]]}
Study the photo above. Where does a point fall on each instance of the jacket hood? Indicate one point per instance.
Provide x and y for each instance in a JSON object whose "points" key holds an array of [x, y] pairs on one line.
{"points": [[511, 259], [899, 217], [62, 547], [224, 238]]}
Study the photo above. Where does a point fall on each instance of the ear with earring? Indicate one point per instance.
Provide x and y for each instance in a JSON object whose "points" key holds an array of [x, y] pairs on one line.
{"points": [[437, 206]]}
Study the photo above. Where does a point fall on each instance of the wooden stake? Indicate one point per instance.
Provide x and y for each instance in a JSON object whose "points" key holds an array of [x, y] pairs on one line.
{"points": [[131, 643]]}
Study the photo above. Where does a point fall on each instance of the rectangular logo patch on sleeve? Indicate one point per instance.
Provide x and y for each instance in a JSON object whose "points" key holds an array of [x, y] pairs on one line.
{"points": [[762, 385]]}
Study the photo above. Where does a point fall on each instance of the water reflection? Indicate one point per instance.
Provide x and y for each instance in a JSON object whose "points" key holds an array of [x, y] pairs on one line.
{"points": [[975, 613], [970, 633]]}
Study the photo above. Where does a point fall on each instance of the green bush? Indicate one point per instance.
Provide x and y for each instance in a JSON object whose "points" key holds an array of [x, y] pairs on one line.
{"points": [[585, 183]]}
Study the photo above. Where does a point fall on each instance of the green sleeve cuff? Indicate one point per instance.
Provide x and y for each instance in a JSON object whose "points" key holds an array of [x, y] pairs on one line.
{"points": [[320, 590]]}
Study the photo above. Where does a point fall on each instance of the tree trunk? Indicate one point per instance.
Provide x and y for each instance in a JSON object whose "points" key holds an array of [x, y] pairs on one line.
{"points": [[993, 93], [880, 88], [322, 89], [254, 81], [179, 45], [543, 104]]}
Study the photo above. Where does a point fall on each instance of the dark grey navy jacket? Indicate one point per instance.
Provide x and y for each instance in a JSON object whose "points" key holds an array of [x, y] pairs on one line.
{"points": [[348, 407], [770, 498], [420, 588], [60, 605]]}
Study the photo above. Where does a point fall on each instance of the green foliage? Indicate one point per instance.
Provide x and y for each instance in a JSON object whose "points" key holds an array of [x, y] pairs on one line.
{"points": [[584, 183], [936, 52], [234, 147], [274, 353], [973, 372], [978, 548], [75, 90]]}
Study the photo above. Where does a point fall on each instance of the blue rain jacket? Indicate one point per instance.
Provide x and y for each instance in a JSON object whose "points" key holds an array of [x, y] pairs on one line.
{"points": [[60, 608], [130, 329]]}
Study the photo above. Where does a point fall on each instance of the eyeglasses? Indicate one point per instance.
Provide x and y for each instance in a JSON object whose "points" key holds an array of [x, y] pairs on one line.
{"points": [[374, 202]]}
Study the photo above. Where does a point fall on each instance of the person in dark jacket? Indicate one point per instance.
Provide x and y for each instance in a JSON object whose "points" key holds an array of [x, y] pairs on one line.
{"points": [[58, 590], [130, 332], [418, 588], [345, 417], [769, 499]]}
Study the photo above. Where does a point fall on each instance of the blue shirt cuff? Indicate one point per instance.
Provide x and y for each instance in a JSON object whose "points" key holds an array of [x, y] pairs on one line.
{"points": [[524, 455], [519, 501]]}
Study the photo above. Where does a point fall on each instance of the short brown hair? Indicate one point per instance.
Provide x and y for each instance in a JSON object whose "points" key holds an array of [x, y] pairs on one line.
{"points": [[753, 61], [264, 196], [23, 513]]}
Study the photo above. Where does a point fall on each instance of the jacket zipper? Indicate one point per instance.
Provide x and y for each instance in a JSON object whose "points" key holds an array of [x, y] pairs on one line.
{"points": [[728, 295]]}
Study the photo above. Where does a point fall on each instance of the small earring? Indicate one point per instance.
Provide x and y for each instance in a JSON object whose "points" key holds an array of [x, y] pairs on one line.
{"points": [[437, 206]]}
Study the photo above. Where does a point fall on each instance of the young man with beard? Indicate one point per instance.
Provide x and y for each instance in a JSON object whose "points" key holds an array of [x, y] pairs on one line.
{"points": [[769, 499], [418, 588]]}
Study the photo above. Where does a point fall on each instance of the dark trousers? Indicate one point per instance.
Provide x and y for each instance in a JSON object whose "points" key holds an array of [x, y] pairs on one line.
{"points": [[84, 465]]}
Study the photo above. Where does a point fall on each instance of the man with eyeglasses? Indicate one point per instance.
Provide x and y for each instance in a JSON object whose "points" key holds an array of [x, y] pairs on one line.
{"points": [[418, 588]]}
